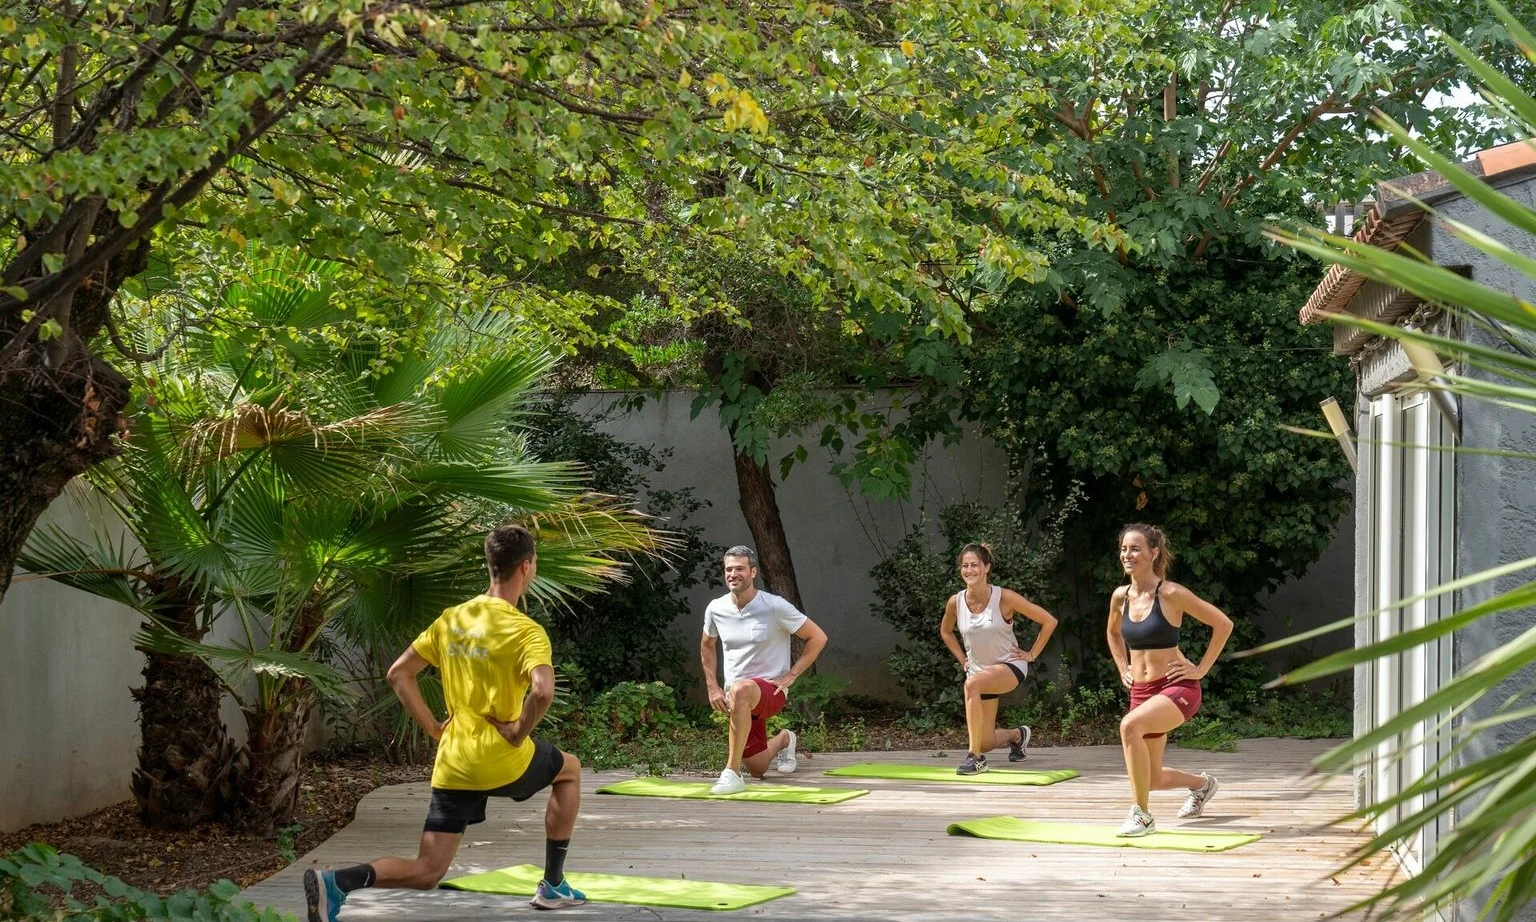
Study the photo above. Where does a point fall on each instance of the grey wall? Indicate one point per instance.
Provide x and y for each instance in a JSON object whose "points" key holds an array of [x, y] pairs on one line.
{"points": [[69, 732], [1325, 593], [68, 728], [1495, 497]]}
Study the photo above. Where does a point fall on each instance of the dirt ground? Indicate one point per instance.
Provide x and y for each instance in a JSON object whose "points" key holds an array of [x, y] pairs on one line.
{"points": [[113, 841]]}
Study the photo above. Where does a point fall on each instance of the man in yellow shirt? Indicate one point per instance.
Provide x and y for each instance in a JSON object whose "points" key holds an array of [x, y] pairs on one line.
{"points": [[497, 683]]}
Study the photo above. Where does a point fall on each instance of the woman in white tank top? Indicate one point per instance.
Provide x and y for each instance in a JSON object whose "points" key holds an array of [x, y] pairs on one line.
{"points": [[994, 665]]}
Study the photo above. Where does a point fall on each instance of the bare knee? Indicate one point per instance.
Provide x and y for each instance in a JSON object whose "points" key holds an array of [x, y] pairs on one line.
{"points": [[972, 687], [571, 768], [740, 695], [1130, 729]]}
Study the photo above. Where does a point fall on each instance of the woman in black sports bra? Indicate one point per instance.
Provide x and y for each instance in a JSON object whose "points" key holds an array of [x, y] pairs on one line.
{"points": [[1144, 620]]}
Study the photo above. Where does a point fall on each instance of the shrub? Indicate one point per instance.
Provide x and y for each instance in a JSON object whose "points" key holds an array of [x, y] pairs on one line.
{"points": [[36, 881], [630, 710]]}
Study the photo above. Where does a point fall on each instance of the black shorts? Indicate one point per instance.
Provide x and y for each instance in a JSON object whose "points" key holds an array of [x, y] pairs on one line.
{"points": [[454, 810], [1019, 669]]}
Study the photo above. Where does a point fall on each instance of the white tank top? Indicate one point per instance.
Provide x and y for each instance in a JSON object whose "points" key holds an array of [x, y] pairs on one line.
{"points": [[988, 636]]}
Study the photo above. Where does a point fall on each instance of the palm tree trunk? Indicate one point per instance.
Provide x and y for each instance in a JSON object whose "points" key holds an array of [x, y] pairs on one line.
{"points": [[269, 786], [187, 763]]}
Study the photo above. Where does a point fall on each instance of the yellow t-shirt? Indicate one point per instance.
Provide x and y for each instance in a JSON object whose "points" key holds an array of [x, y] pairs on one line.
{"points": [[486, 651]]}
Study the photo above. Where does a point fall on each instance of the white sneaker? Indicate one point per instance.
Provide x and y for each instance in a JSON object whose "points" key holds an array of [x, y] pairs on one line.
{"points": [[729, 783], [1194, 804], [1138, 823], [785, 763]]}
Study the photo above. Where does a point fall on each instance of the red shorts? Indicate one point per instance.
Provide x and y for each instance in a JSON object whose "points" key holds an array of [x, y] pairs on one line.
{"points": [[769, 703], [1184, 693]]}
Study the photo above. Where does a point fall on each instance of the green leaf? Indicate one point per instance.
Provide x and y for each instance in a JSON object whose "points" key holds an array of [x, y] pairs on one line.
{"points": [[1188, 369]]}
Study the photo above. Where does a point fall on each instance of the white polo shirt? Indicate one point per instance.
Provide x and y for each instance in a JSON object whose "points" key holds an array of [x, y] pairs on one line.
{"points": [[755, 638]]}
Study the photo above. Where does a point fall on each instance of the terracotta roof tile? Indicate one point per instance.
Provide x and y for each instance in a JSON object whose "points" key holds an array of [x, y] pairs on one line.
{"points": [[1339, 285], [1394, 214]]}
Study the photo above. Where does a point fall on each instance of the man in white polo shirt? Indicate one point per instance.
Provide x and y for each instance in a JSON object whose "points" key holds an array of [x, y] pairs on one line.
{"points": [[754, 628]]}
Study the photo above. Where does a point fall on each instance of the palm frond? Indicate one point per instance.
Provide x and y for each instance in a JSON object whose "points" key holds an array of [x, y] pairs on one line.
{"points": [[312, 456], [584, 544], [238, 667], [476, 404], [103, 567], [523, 486]]}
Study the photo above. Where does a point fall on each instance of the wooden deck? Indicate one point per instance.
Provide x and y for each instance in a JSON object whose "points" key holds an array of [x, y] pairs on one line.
{"points": [[886, 855]]}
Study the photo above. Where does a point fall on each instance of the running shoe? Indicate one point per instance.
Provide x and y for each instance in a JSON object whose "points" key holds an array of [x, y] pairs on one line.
{"points": [[730, 783], [561, 897], [1194, 804], [972, 765], [1018, 752], [785, 763], [1138, 823], [321, 895]]}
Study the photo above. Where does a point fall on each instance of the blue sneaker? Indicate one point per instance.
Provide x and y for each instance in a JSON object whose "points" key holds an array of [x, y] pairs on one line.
{"points": [[322, 896], [547, 897]]}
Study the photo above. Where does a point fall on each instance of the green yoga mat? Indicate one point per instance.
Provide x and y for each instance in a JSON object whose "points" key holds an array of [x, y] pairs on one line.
{"points": [[947, 773], [1017, 830], [699, 790], [618, 888]]}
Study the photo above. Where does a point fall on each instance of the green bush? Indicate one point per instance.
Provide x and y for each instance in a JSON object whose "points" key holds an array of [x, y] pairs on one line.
{"points": [[1082, 397], [36, 882], [627, 726], [630, 710]]}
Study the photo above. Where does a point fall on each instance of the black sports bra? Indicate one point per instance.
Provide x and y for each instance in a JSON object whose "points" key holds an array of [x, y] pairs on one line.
{"points": [[1152, 632]]}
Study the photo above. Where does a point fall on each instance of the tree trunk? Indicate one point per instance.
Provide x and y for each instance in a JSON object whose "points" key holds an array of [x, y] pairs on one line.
{"points": [[55, 423], [754, 484], [269, 789], [60, 406], [187, 763], [186, 769]]}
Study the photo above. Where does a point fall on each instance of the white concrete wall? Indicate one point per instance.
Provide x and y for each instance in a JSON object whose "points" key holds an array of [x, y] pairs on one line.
{"points": [[69, 730], [68, 726]]}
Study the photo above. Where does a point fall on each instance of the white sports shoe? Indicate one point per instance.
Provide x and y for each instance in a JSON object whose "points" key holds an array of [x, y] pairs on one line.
{"points": [[729, 783], [785, 763], [1194, 804], [1138, 823]]}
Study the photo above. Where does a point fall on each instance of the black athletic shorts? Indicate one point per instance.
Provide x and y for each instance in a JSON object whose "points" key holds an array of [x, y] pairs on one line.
{"points": [[1018, 669], [455, 810]]}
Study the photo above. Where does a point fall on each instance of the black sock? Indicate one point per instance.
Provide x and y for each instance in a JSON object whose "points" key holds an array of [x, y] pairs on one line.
{"points": [[554, 860], [356, 877]]}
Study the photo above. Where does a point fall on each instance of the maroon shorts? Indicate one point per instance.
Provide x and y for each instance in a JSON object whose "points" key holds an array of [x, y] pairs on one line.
{"points": [[769, 703], [1184, 693]]}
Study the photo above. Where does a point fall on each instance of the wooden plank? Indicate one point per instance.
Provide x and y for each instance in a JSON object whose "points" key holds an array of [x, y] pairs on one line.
{"points": [[886, 855]]}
